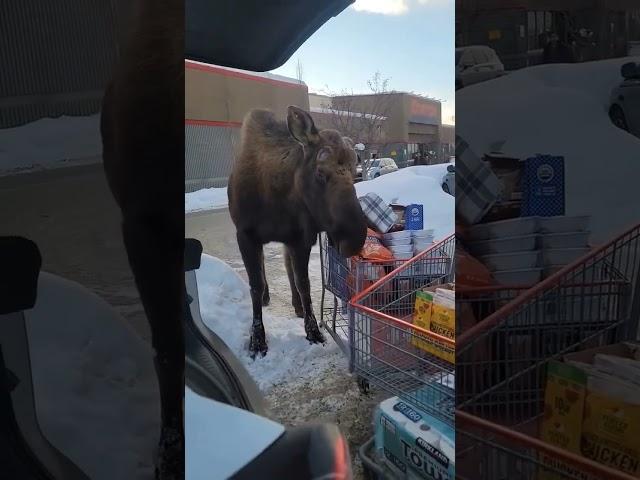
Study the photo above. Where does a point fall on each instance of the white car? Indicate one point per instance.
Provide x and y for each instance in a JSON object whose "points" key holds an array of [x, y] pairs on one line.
{"points": [[380, 166], [449, 180], [625, 100], [476, 63]]}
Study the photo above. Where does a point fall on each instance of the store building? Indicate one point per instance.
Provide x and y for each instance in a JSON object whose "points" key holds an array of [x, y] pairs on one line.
{"points": [[518, 29]]}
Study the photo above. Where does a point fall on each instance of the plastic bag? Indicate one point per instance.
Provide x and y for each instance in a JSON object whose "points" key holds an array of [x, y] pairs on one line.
{"points": [[470, 271], [373, 248]]}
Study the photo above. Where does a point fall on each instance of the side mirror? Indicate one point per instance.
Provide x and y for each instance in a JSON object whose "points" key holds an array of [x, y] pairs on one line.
{"points": [[629, 70], [451, 169]]}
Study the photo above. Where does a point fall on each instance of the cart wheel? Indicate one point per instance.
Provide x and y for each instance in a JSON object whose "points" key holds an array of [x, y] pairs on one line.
{"points": [[363, 384]]}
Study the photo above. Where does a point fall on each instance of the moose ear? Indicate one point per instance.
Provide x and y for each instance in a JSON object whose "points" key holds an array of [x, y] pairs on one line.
{"points": [[348, 142], [301, 126]]}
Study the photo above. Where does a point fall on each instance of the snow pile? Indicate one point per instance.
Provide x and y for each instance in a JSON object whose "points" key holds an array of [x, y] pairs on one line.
{"points": [[420, 184], [205, 199], [561, 110], [50, 142], [225, 306], [94, 382]]}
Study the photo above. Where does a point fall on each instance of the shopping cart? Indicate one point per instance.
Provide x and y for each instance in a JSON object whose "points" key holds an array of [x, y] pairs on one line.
{"points": [[387, 350], [501, 363], [342, 279]]}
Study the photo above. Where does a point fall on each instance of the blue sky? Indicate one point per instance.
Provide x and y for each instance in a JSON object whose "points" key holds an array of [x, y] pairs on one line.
{"points": [[409, 41]]}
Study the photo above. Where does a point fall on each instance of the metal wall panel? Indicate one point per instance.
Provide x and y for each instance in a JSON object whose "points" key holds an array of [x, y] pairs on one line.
{"points": [[56, 57], [208, 155]]}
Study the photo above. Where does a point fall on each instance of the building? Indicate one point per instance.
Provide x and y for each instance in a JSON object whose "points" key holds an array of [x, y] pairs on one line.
{"points": [[216, 101], [411, 123], [448, 140], [518, 29]]}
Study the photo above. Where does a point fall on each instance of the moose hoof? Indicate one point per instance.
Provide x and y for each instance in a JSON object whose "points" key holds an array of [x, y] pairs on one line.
{"points": [[257, 342], [314, 335]]}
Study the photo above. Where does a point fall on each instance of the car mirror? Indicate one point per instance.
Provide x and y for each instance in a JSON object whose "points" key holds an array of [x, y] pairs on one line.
{"points": [[629, 70], [451, 169]]}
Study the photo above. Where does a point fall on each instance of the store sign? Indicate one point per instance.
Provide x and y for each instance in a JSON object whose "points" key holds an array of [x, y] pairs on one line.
{"points": [[421, 111]]}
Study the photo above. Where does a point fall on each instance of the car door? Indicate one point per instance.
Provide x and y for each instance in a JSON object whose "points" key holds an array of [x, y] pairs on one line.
{"points": [[466, 65], [484, 68]]}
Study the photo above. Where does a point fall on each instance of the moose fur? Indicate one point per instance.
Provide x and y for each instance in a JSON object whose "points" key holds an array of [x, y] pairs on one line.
{"points": [[289, 183], [142, 131]]}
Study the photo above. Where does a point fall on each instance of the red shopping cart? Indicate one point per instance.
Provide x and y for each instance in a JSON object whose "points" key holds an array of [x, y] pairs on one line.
{"points": [[389, 351], [501, 364]]}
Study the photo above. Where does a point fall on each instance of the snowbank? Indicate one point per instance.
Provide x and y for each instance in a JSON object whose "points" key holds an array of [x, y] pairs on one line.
{"points": [[94, 382], [420, 184], [50, 142], [205, 199], [225, 306], [561, 110]]}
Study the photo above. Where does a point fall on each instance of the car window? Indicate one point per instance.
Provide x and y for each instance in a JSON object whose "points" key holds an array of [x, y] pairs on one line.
{"points": [[467, 57], [375, 163], [479, 57]]}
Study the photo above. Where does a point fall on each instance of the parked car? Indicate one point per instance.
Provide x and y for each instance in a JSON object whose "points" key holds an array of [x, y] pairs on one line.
{"points": [[449, 180], [476, 63], [625, 100], [381, 166]]}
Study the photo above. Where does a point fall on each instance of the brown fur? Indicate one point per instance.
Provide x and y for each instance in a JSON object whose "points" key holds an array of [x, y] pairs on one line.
{"points": [[142, 130], [289, 183]]}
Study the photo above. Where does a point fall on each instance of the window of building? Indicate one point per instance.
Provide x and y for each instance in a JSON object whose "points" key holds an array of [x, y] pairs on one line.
{"points": [[539, 23]]}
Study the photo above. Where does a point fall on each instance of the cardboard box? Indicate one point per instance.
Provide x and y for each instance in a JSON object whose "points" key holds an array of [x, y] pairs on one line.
{"points": [[593, 413], [412, 443], [437, 319]]}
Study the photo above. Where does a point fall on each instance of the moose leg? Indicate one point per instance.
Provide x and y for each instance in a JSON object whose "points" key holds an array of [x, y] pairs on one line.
{"points": [[295, 296], [266, 298], [157, 268], [252, 257], [300, 262]]}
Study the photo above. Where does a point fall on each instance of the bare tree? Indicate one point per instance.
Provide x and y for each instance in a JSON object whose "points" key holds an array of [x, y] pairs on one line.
{"points": [[362, 117]]}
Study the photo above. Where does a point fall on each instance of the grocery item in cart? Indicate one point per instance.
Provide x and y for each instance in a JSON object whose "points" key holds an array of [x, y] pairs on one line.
{"points": [[593, 410], [477, 187], [414, 217], [543, 186], [470, 271], [373, 248], [378, 213], [437, 318], [412, 443]]}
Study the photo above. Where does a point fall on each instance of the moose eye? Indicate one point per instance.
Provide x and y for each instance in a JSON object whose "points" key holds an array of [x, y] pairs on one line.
{"points": [[323, 155]]}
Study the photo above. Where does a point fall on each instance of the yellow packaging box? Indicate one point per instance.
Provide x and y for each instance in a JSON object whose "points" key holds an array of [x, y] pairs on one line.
{"points": [[583, 416], [437, 319]]}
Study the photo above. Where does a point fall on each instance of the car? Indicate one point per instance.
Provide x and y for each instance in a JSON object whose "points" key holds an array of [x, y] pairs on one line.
{"points": [[475, 64], [449, 180], [381, 166], [624, 111]]}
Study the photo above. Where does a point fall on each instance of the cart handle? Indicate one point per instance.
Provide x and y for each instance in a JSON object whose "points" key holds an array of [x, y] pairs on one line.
{"points": [[584, 464], [499, 315]]}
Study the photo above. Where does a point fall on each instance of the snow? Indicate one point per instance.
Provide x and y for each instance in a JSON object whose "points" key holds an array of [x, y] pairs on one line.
{"points": [[561, 110], [225, 307], [420, 184], [50, 142], [205, 199], [94, 382]]}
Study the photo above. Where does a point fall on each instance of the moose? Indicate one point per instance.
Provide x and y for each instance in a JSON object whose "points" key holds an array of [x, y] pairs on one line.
{"points": [[142, 130], [291, 181]]}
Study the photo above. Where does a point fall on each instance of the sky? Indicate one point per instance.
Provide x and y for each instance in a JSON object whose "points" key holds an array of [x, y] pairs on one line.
{"points": [[411, 42]]}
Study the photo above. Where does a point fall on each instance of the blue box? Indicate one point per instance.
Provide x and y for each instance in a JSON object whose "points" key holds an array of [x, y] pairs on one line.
{"points": [[543, 186], [412, 443], [413, 217]]}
